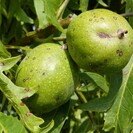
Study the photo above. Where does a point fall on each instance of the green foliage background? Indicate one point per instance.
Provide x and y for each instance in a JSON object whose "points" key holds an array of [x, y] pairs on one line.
{"points": [[100, 103]]}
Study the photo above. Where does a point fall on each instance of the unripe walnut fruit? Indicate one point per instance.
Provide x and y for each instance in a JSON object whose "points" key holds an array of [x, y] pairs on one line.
{"points": [[50, 69], [100, 40]]}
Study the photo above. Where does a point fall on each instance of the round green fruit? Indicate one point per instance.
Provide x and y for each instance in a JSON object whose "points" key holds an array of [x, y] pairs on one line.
{"points": [[49, 68], [100, 40]]}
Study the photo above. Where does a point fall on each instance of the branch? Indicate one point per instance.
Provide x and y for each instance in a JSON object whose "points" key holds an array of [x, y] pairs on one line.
{"points": [[83, 99], [127, 14], [50, 29]]}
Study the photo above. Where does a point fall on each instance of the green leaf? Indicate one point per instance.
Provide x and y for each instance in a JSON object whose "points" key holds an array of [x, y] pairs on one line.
{"points": [[39, 7], [129, 8], [51, 8], [101, 2], [85, 127], [84, 5], [22, 16], [30, 120], [48, 127], [104, 103], [19, 106], [59, 116], [19, 91], [3, 8], [6, 64], [122, 109], [11, 124], [13, 7], [99, 80], [3, 52]]}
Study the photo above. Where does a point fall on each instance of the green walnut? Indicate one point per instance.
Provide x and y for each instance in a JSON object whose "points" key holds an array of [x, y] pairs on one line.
{"points": [[50, 69], [100, 40]]}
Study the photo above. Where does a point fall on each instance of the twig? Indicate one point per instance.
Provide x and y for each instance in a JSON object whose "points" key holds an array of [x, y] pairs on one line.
{"points": [[59, 38], [26, 48], [127, 14], [83, 99]]}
